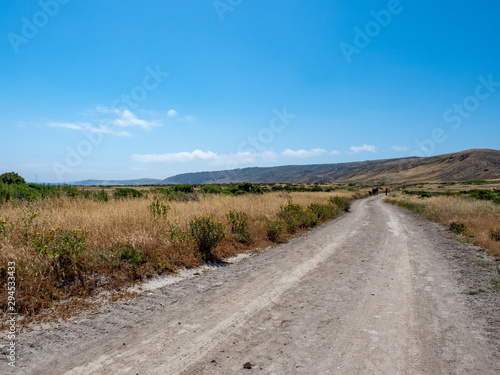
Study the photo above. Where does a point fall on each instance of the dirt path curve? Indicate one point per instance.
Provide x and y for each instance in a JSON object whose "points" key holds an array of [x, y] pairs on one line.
{"points": [[369, 293]]}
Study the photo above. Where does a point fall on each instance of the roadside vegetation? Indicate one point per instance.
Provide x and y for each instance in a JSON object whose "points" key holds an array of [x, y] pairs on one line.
{"points": [[70, 243], [473, 214]]}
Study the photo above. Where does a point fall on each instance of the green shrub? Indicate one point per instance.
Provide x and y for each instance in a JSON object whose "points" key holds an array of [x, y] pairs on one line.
{"points": [[324, 211], [243, 188], [343, 203], [495, 233], [274, 229], [127, 193], [58, 243], [207, 233], [211, 189], [130, 254], [12, 178], [175, 232], [424, 194], [64, 249], [101, 195], [158, 209], [291, 214], [238, 223], [183, 188], [459, 228], [309, 219]]}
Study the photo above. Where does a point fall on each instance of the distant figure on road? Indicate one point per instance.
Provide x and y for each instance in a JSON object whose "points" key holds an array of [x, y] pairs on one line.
{"points": [[370, 192], [375, 191], [386, 191]]}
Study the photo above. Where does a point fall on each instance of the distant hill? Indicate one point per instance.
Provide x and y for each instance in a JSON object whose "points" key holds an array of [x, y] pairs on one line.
{"points": [[142, 181], [460, 166]]}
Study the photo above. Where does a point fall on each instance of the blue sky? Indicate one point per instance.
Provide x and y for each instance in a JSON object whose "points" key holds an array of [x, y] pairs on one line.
{"points": [[119, 89]]}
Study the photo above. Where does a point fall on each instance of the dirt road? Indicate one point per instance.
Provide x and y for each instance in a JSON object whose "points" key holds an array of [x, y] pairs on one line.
{"points": [[377, 291]]}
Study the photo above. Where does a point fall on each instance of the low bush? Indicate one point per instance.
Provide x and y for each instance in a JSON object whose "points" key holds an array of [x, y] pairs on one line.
{"points": [[130, 254], [274, 229], [459, 228], [207, 233], [324, 211], [127, 193], [211, 189], [495, 233], [158, 209], [184, 188], [238, 223], [291, 214], [341, 202]]}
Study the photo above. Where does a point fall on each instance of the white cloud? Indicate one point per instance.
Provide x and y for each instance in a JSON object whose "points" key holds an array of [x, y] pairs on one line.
{"points": [[189, 118], [109, 119], [401, 148], [303, 153], [127, 118], [240, 158], [67, 125], [368, 148], [172, 113], [88, 127]]}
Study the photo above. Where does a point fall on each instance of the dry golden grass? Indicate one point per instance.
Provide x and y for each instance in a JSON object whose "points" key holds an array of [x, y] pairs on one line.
{"points": [[113, 225], [477, 215]]}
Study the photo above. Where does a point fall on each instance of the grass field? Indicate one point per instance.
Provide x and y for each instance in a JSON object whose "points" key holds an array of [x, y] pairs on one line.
{"points": [[67, 249], [473, 219]]}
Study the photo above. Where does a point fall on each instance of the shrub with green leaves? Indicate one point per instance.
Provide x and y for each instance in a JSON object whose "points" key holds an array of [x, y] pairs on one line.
{"points": [[274, 229], [183, 188], [238, 223], [211, 189], [495, 233], [158, 209], [309, 219], [175, 232], [459, 228], [11, 178], [343, 203], [101, 196], [324, 211], [127, 193], [130, 254], [58, 243], [291, 214], [207, 233]]}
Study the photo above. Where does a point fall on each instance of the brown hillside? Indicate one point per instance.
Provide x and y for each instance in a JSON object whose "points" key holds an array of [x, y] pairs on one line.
{"points": [[460, 166]]}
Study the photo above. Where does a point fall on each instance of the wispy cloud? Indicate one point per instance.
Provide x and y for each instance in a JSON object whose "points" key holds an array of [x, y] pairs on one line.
{"points": [[127, 118], [174, 114], [307, 153], [240, 158], [89, 127], [108, 121], [367, 148]]}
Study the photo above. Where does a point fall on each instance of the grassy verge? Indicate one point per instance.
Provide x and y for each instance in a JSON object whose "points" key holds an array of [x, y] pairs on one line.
{"points": [[72, 248], [474, 219]]}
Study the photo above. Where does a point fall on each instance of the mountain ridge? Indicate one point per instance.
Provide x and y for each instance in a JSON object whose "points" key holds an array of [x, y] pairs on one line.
{"points": [[459, 166]]}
